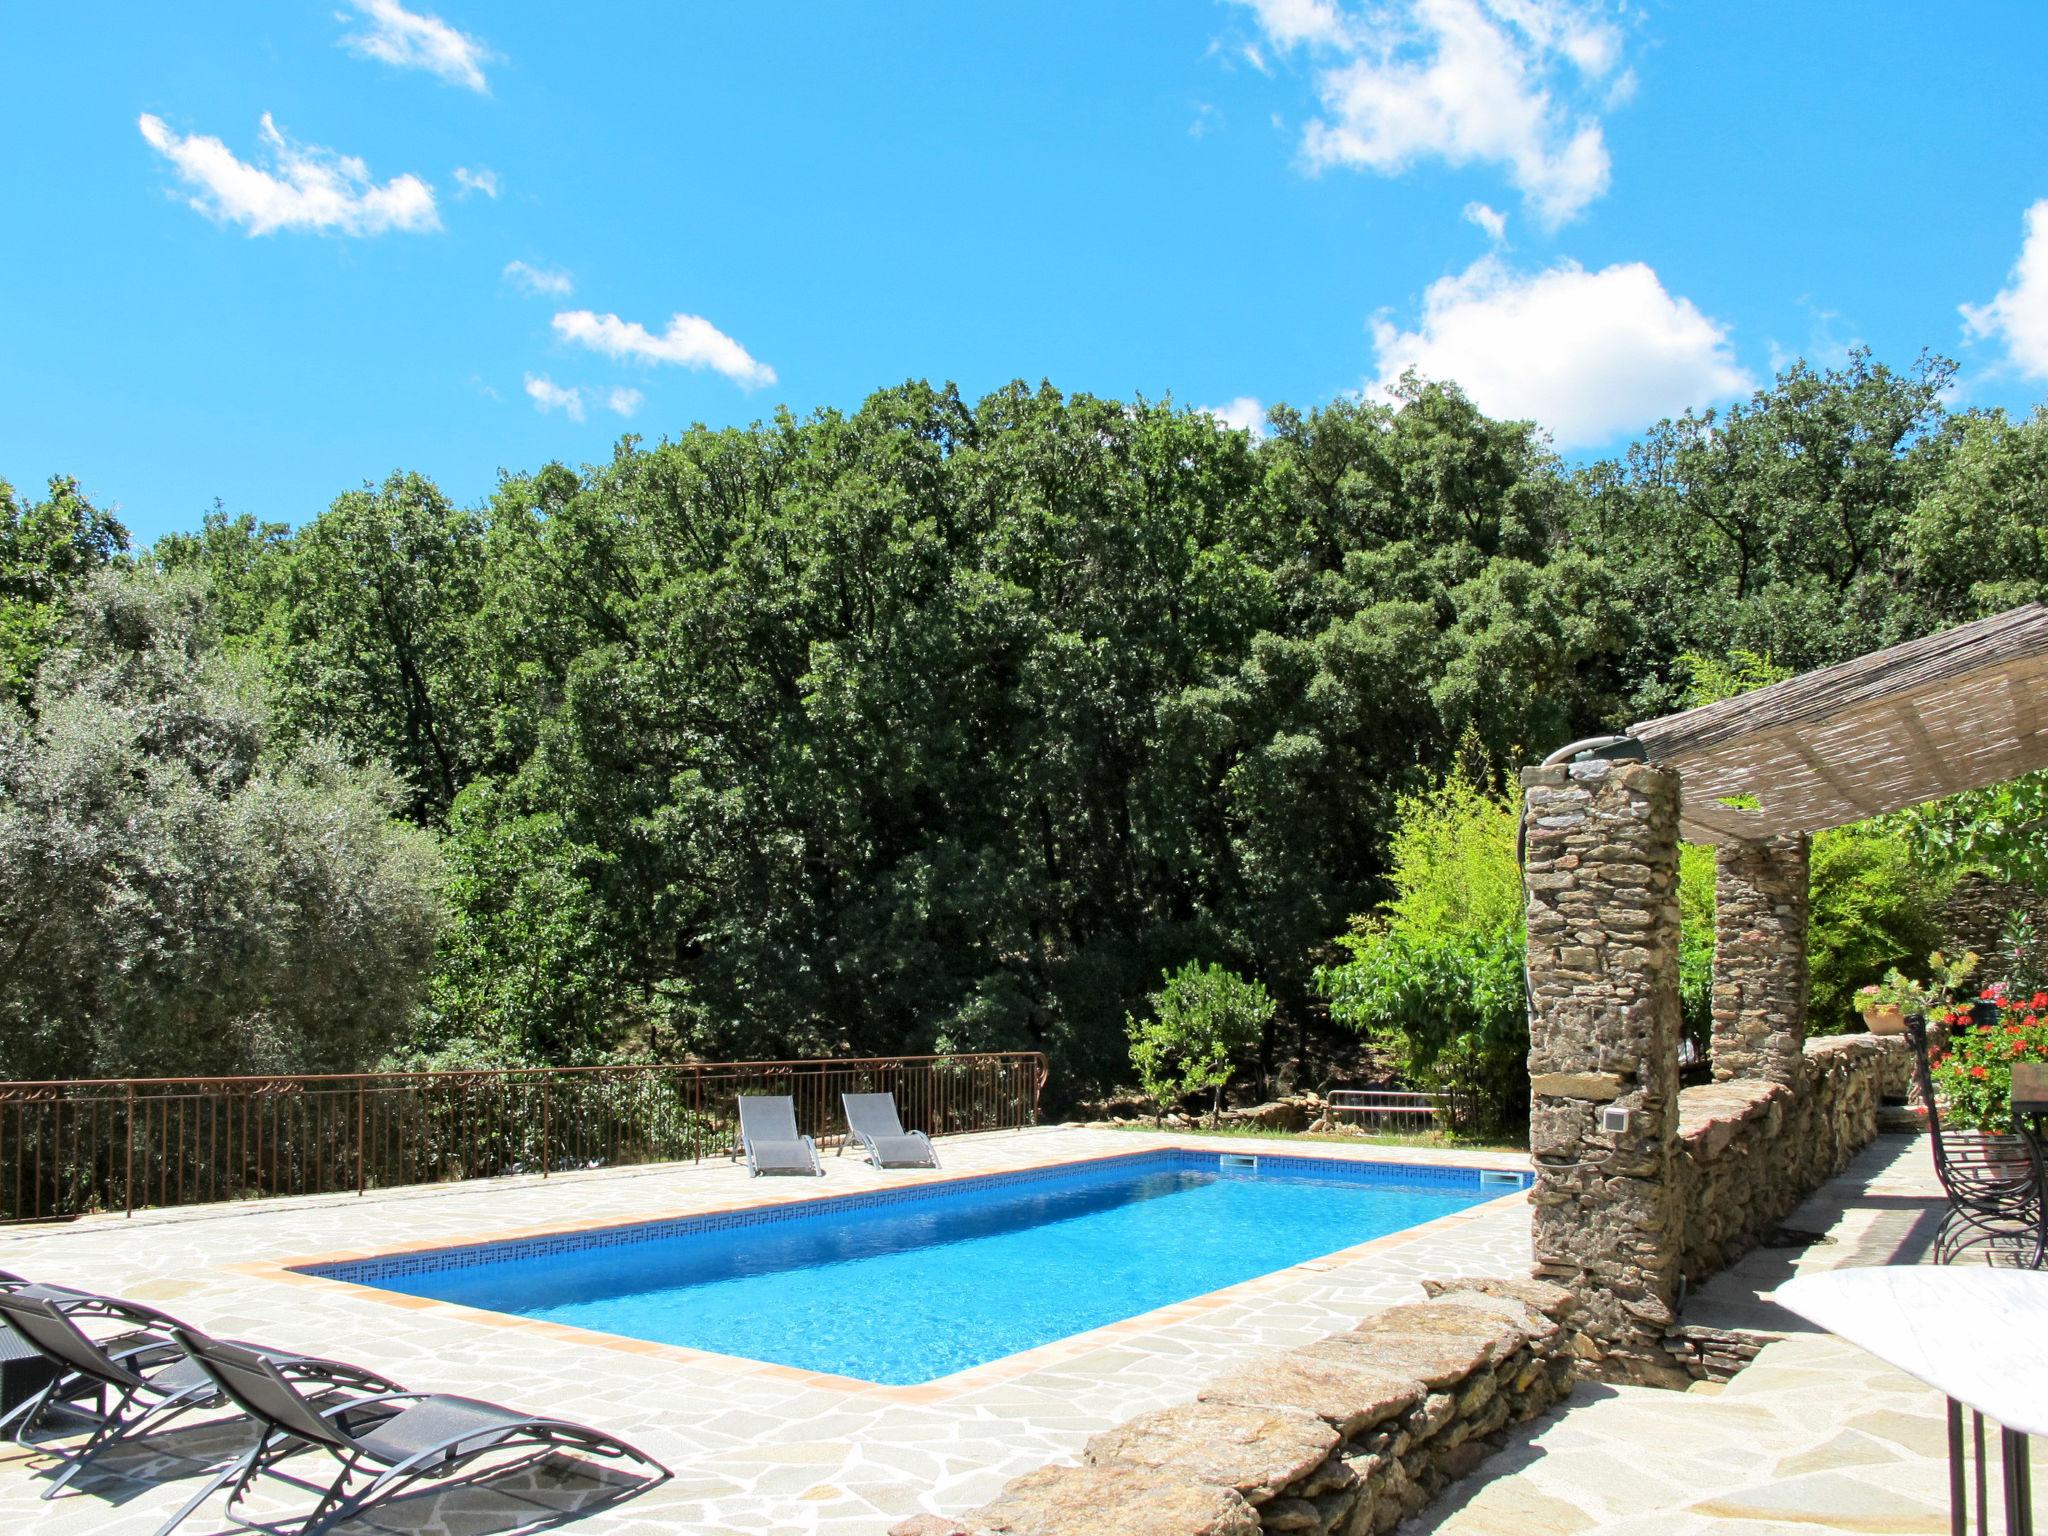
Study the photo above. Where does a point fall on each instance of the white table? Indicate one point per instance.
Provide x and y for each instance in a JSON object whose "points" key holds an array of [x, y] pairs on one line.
{"points": [[1977, 1335]]}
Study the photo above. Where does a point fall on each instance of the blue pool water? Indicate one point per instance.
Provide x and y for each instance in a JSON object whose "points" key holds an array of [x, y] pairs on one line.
{"points": [[920, 1282]]}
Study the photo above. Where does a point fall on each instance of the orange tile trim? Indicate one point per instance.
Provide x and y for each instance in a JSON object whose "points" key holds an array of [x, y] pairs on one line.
{"points": [[944, 1388]]}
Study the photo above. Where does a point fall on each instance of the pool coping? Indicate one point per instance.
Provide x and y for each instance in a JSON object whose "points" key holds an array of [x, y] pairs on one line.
{"points": [[298, 1270]]}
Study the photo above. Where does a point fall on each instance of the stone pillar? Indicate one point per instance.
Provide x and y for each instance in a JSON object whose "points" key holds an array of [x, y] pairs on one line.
{"points": [[1760, 960], [1602, 878]]}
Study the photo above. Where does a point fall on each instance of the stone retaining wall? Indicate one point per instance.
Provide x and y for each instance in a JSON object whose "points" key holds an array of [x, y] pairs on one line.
{"points": [[1343, 1437], [1750, 1151]]}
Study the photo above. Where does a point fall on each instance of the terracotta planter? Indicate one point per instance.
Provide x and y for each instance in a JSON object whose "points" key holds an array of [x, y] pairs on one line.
{"points": [[1889, 1020]]}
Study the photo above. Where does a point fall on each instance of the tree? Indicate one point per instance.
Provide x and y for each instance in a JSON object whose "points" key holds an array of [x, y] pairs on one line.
{"points": [[1436, 976], [47, 549], [179, 892], [376, 648], [1202, 1019]]}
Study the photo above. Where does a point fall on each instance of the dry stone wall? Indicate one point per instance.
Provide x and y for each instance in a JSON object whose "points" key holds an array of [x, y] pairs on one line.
{"points": [[1750, 1151], [1760, 977], [1343, 1437]]}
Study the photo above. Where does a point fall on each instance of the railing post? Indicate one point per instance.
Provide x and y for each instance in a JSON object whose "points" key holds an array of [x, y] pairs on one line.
{"points": [[362, 1150], [546, 1161], [128, 1165]]}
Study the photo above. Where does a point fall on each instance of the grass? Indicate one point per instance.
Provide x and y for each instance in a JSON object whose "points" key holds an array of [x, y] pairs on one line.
{"points": [[1350, 1138]]}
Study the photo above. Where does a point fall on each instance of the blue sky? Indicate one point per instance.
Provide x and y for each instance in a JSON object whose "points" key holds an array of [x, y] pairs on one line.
{"points": [[1590, 214]]}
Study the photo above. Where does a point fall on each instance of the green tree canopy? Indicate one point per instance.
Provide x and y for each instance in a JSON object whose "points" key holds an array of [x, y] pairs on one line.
{"points": [[177, 894]]}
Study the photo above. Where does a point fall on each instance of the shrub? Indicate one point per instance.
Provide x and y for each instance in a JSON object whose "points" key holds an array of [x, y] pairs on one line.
{"points": [[1873, 906], [1201, 1018], [1436, 977]]}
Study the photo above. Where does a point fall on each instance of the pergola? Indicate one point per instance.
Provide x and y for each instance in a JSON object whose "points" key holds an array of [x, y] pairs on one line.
{"points": [[1951, 711], [1957, 710]]}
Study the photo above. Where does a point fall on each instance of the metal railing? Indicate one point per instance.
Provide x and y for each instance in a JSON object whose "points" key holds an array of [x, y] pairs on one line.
{"points": [[1390, 1109], [71, 1148]]}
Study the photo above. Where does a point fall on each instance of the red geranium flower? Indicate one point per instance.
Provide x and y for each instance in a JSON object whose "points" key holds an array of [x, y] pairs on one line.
{"points": [[1976, 1071]]}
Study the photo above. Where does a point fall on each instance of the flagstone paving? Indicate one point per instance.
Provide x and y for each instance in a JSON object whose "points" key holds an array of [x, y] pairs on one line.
{"points": [[754, 1448], [1815, 1436]]}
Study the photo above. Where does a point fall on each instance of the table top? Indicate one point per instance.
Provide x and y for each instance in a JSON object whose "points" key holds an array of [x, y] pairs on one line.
{"points": [[1977, 1334], [2030, 1088]]}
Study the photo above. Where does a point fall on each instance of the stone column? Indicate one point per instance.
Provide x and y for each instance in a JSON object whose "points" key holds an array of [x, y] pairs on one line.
{"points": [[1760, 960], [1602, 878]]}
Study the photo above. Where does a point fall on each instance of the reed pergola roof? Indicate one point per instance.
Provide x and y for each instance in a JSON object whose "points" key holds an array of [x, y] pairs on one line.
{"points": [[1951, 711]]}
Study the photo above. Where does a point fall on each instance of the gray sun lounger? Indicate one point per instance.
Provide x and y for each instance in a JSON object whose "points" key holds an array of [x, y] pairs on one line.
{"points": [[138, 1381], [770, 1140], [384, 1443], [873, 1120]]}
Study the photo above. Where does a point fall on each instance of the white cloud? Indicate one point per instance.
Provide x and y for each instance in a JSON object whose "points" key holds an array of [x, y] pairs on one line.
{"points": [[1587, 355], [1492, 220], [575, 401], [303, 187], [413, 40], [2018, 314], [1291, 22], [690, 341], [1245, 413], [1507, 82], [547, 395], [482, 179], [538, 281]]}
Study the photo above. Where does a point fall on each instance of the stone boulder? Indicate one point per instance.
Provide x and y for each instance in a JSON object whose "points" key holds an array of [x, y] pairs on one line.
{"points": [[1257, 1451], [1554, 1301], [1347, 1395], [1097, 1501]]}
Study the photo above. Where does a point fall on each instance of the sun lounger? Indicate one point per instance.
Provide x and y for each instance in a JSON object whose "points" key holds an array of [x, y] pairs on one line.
{"points": [[383, 1443], [137, 1381], [769, 1137], [874, 1123]]}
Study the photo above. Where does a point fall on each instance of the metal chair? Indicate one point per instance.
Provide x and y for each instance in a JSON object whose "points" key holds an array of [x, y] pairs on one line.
{"points": [[1994, 1182], [871, 1120], [136, 1382], [396, 1438], [770, 1140]]}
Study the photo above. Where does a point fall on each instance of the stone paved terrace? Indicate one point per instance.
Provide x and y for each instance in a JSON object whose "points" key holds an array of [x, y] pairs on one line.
{"points": [[755, 1448], [1815, 1436]]}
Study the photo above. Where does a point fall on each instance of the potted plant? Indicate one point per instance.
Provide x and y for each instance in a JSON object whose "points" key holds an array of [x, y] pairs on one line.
{"points": [[1885, 1004], [1974, 1077]]}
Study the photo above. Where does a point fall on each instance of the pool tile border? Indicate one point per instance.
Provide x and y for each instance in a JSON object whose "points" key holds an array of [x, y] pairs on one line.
{"points": [[473, 1254], [319, 1269]]}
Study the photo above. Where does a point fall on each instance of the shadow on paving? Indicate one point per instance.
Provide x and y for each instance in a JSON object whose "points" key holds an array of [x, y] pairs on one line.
{"points": [[554, 1492], [1867, 1438]]}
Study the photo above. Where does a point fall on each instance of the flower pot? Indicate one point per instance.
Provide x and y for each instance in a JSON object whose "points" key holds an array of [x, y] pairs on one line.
{"points": [[1889, 1020]]}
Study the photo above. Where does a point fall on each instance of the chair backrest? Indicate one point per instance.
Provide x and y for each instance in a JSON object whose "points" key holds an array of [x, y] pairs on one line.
{"points": [[53, 1335], [257, 1387], [1923, 1083], [872, 1114], [768, 1117]]}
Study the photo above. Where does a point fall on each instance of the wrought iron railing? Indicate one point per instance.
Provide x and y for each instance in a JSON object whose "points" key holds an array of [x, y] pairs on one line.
{"points": [[70, 1148]]}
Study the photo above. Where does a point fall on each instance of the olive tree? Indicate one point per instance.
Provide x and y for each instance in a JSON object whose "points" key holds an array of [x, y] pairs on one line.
{"points": [[178, 892]]}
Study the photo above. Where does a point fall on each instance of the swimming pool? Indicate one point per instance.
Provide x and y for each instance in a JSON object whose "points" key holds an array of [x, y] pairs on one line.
{"points": [[906, 1285]]}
